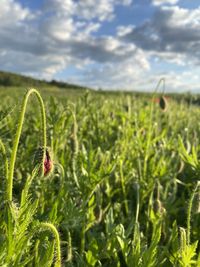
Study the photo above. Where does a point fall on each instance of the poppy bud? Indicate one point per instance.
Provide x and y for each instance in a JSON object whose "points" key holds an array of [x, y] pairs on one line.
{"points": [[46, 165], [163, 103]]}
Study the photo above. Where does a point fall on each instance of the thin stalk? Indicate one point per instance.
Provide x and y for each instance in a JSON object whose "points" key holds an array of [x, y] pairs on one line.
{"points": [[162, 80], [74, 148], [138, 203], [123, 187], [69, 247], [149, 135], [53, 230], [9, 234], [150, 126], [136, 233], [189, 211], [18, 134]]}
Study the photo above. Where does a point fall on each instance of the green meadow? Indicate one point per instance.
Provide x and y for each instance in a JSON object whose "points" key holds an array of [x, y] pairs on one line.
{"points": [[92, 178]]}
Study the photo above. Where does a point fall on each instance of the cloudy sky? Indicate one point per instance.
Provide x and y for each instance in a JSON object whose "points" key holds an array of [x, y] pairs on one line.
{"points": [[109, 44]]}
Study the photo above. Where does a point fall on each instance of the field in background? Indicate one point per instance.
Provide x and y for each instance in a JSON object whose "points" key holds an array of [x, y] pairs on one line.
{"points": [[124, 190]]}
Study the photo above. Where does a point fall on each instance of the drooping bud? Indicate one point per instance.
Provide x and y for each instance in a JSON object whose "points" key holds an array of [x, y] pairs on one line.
{"points": [[163, 103], [48, 164], [45, 166]]}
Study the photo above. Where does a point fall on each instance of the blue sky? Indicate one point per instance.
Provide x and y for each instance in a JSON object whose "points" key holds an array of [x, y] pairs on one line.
{"points": [[110, 44]]}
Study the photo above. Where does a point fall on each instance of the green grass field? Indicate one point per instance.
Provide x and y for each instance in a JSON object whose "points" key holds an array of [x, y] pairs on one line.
{"points": [[121, 188]]}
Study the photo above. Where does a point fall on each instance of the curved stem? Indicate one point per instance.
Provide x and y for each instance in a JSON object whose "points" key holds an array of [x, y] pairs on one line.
{"points": [[18, 134], [53, 230], [162, 80]]}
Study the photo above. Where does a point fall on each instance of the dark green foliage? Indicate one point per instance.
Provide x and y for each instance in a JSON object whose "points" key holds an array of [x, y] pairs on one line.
{"points": [[8, 79]]}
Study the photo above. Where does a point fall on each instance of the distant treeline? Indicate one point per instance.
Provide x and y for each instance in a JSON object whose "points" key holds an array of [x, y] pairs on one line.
{"points": [[11, 79], [8, 79]]}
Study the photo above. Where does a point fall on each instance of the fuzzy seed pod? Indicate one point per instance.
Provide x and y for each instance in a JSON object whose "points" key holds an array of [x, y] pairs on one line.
{"points": [[163, 103]]}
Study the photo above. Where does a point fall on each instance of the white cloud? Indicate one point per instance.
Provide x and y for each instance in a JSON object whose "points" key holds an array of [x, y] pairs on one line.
{"points": [[57, 40], [86, 9], [66, 7], [173, 34], [127, 67], [11, 13], [59, 29], [163, 2], [182, 82], [127, 76], [124, 30], [89, 9], [102, 9], [66, 34]]}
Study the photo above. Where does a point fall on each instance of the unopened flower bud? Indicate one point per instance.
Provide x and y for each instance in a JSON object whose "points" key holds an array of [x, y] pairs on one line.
{"points": [[46, 164]]}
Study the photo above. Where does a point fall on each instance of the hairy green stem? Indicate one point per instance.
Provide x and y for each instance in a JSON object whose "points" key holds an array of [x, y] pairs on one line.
{"points": [[53, 230], [74, 147], [18, 134], [189, 211]]}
